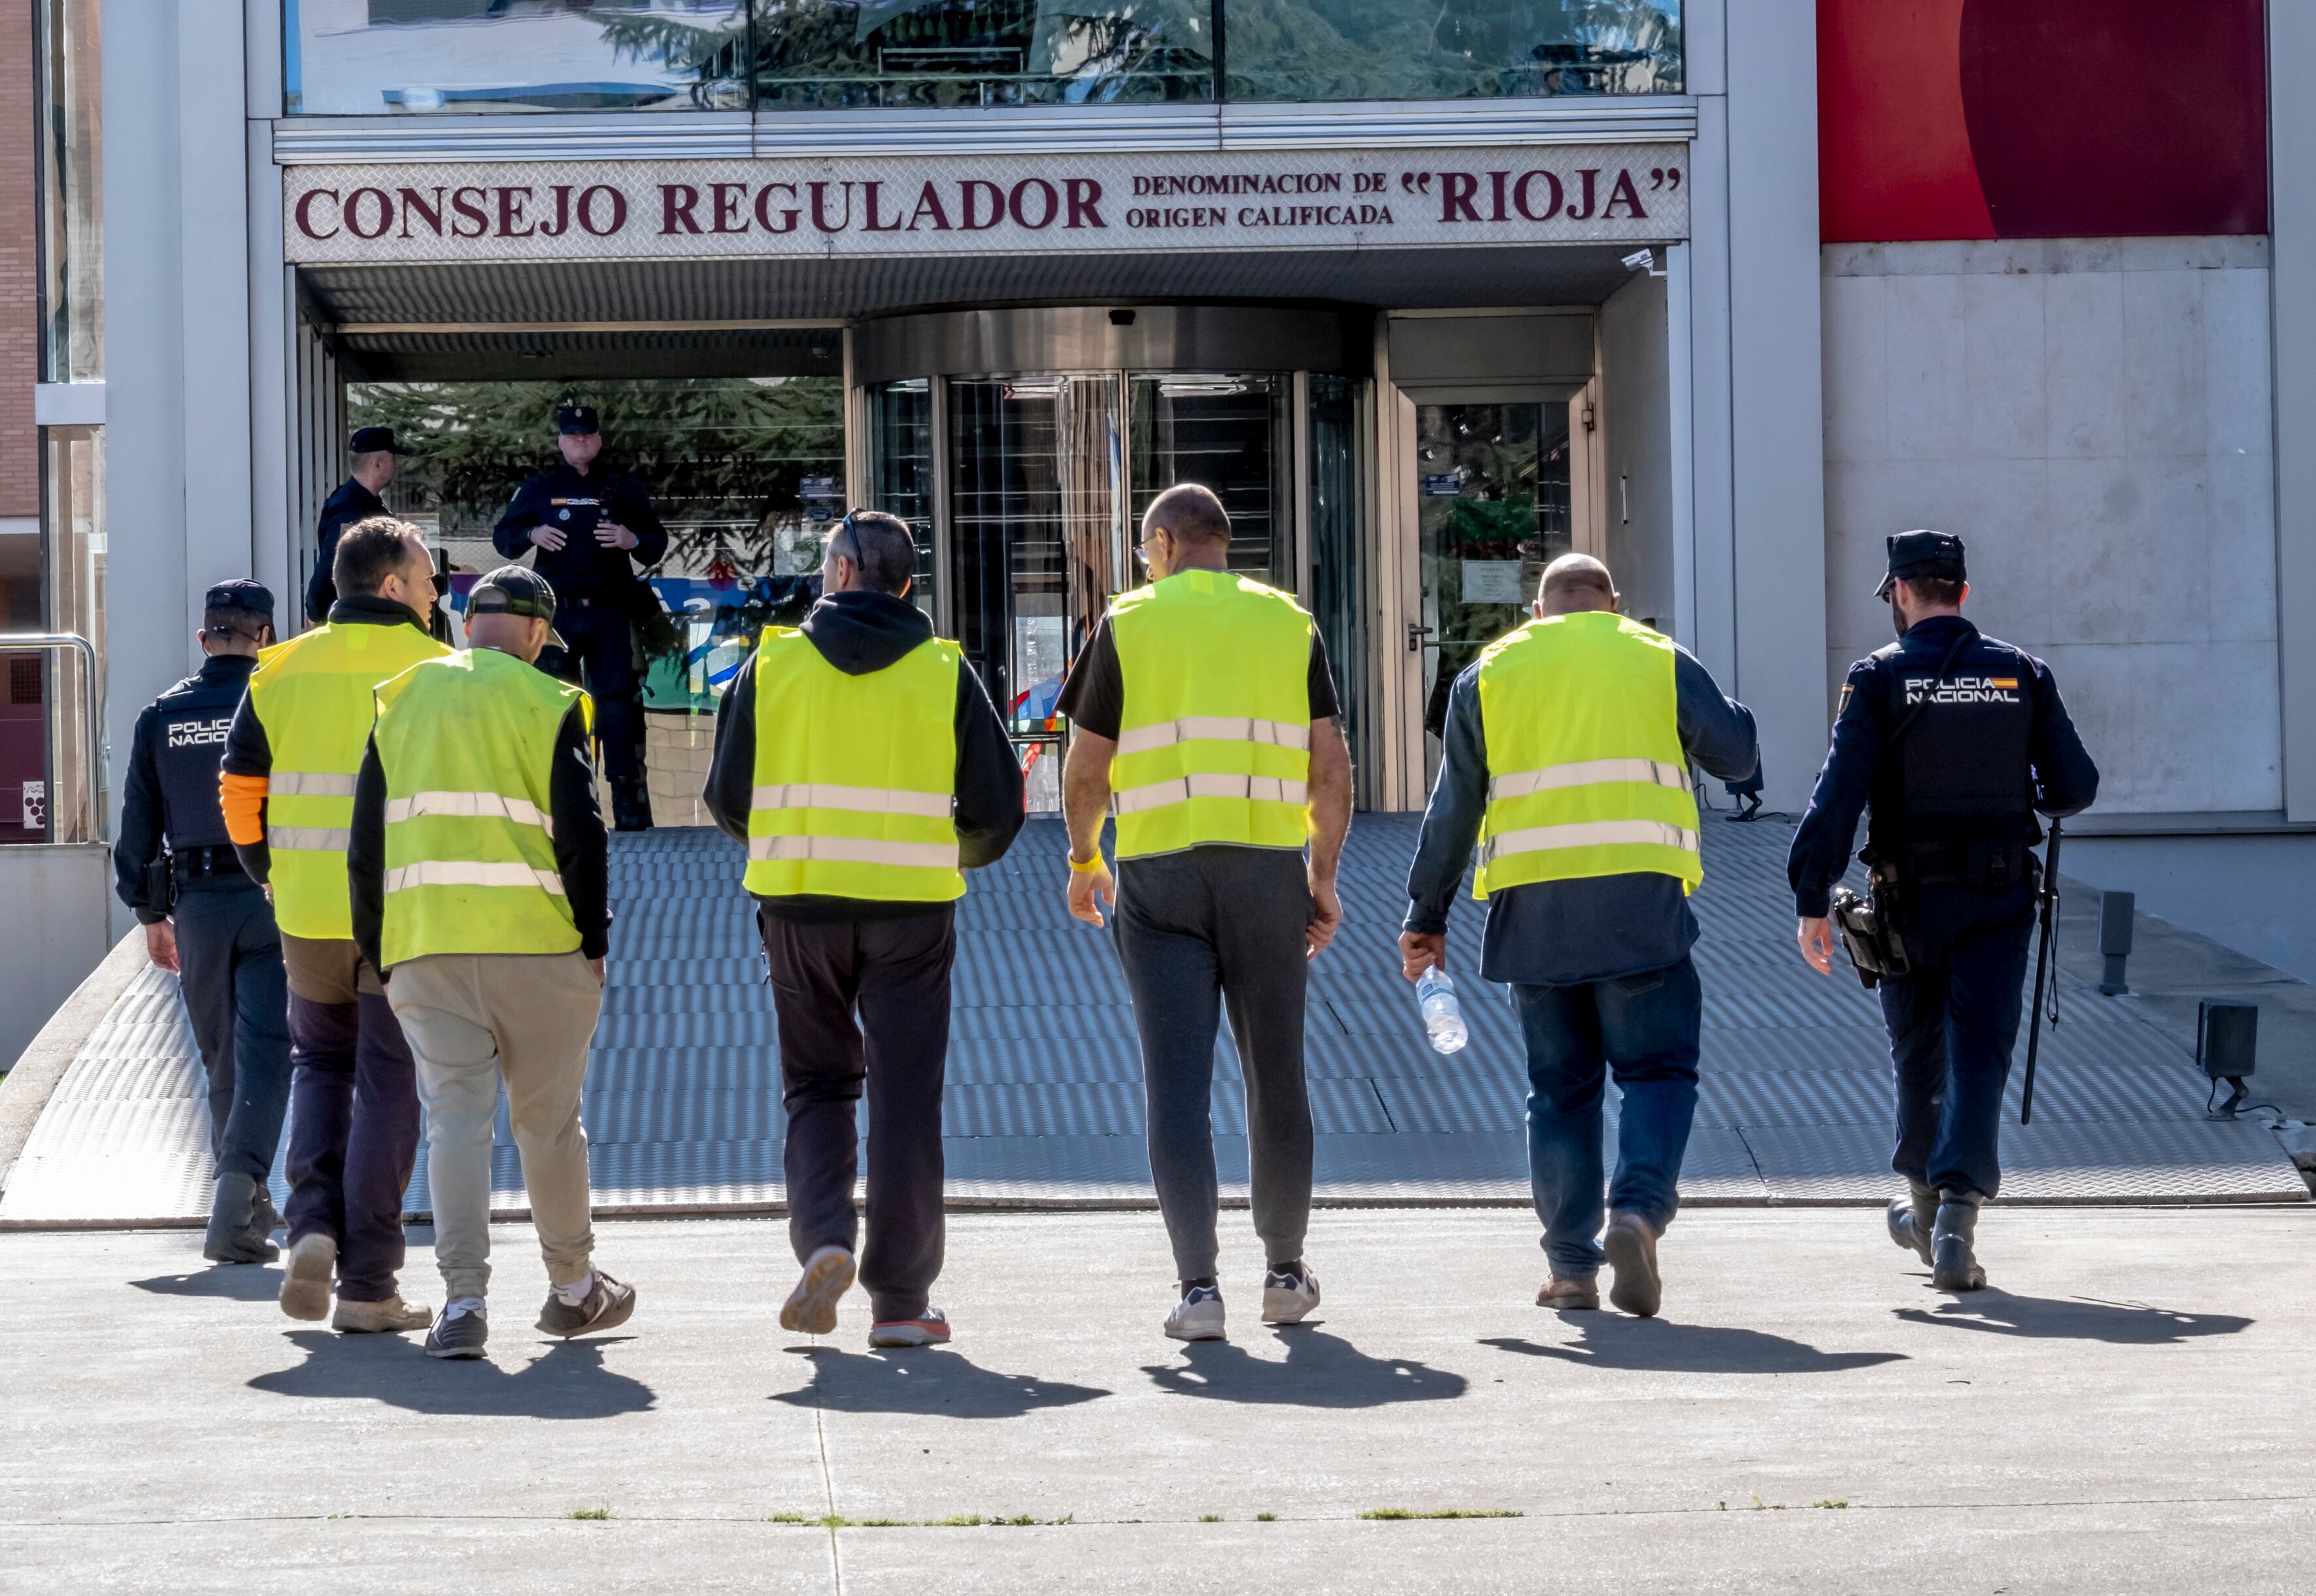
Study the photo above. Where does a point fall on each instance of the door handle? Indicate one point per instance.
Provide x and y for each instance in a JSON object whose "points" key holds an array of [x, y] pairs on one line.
{"points": [[1416, 632]]}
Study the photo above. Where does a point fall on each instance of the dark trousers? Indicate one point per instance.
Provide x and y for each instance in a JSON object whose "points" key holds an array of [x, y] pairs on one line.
{"points": [[866, 1001], [602, 655], [229, 956], [1953, 1019], [1642, 1029], [1202, 933], [353, 1122]]}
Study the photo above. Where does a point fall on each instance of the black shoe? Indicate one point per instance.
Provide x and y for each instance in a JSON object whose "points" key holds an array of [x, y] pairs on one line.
{"points": [[1911, 1220], [607, 1306], [232, 1237], [457, 1334], [630, 804], [1953, 1258]]}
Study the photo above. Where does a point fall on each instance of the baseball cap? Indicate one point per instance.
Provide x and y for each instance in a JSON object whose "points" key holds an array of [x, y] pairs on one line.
{"points": [[1923, 554], [577, 418], [374, 441], [255, 597], [515, 590]]}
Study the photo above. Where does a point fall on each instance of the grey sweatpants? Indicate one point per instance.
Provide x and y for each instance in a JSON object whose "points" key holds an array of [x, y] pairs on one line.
{"points": [[1199, 932]]}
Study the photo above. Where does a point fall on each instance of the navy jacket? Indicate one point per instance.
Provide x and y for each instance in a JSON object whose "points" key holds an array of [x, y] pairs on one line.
{"points": [[351, 502], [573, 503], [2062, 778], [170, 791], [1557, 933]]}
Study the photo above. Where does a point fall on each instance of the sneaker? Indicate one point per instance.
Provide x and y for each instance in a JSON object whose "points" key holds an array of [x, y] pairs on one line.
{"points": [[460, 1332], [929, 1330], [606, 1306], [1568, 1295], [305, 1281], [1631, 1245], [389, 1317], [811, 1308], [1287, 1297], [1198, 1317]]}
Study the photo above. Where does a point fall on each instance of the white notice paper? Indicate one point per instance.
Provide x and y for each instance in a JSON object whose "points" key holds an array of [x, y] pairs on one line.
{"points": [[1493, 582]]}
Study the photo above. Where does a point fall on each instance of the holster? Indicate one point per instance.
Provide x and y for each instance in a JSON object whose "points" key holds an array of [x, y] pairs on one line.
{"points": [[1869, 928], [161, 885]]}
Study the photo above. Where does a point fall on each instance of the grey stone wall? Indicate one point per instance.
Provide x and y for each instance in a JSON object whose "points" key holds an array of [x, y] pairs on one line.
{"points": [[2093, 416]]}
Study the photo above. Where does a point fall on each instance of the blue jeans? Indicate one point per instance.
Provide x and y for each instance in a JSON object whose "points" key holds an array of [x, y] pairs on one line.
{"points": [[1645, 1028], [1953, 1019]]}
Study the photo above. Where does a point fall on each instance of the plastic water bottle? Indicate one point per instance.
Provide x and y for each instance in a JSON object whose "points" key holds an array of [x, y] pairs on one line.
{"points": [[1443, 1017]]}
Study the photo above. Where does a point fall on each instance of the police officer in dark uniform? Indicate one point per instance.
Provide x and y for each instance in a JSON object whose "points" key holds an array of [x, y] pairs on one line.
{"points": [[592, 528], [375, 457], [1954, 741], [174, 858]]}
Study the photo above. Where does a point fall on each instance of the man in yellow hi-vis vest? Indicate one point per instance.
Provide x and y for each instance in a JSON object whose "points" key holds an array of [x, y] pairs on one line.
{"points": [[1204, 718], [862, 763], [480, 883], [288, 791], [1567, 758]]}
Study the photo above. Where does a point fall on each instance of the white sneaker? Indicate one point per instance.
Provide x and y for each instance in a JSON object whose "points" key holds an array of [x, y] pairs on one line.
{"points": [[1198, 1317], [811, 1308], [1286, 1300]]}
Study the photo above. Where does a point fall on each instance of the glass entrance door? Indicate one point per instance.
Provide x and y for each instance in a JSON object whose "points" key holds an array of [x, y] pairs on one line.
{"points": [[1493, 511]]}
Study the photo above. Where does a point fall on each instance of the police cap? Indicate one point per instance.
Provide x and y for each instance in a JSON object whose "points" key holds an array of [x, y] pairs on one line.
{"points": [[577, 418], [374, 441], [1923, 554], [515, 590], [253, 597]]}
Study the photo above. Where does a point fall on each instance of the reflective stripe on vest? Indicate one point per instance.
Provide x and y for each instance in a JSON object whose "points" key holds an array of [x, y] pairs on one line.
{"points": [[313, 697], [1586, 776], [495, 805], [855, 779], [1213, 742], [467, 745]]}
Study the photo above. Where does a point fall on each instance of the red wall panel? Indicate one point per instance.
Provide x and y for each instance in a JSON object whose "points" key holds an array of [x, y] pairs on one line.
{"points": [[2037, 119]]}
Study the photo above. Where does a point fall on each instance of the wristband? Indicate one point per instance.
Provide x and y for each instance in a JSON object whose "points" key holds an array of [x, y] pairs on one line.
{"points": [[1090, 865]]}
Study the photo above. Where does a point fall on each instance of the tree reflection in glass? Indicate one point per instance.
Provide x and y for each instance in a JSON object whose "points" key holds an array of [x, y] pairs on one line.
{"points": [[1450, 50]]}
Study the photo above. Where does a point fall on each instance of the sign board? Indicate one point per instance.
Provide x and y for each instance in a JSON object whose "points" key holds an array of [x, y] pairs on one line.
{"points": [[934, 205], [1492, 582], [1442, 485]]}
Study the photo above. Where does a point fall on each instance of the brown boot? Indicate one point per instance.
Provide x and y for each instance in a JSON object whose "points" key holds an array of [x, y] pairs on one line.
{"points": [[1565, 1296], [1631, 1245]]}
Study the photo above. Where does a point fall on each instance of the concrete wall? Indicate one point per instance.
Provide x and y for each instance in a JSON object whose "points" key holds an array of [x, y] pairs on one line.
{"points": [[2092, 416], [1637, 424], [53, 934]]}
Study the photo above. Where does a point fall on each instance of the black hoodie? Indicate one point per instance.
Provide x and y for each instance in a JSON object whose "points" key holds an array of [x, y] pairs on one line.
{"points": [[859, 632]]}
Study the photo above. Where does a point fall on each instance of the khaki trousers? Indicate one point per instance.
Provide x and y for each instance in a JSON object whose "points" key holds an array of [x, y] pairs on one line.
{"points": [[474, 1019]]}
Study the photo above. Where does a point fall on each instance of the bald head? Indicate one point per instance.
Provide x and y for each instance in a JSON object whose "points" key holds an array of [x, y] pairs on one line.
{"points": [[1574, 583]]}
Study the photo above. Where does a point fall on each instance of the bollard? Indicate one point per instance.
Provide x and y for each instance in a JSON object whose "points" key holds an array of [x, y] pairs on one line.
{"points": [[2115, 941]]}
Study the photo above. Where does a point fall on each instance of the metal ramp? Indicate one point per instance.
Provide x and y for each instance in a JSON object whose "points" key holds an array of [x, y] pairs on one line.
{"points": [[1043, 1105]]}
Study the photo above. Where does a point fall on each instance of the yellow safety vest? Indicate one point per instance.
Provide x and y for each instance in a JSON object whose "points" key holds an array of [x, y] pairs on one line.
{"points": [[312, 695], [1215, 741], [467, 745], [1586, 776], [856, 776]]}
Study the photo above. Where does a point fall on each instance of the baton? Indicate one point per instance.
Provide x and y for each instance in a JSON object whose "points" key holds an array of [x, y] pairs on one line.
{"points": [[2049, 897]]}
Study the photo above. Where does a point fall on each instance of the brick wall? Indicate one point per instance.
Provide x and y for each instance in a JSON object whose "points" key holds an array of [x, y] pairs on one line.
{"points": [[20, 311]]}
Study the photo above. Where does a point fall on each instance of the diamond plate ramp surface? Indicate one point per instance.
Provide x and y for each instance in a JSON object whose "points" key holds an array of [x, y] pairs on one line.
{"points": [[1045, 1100]]}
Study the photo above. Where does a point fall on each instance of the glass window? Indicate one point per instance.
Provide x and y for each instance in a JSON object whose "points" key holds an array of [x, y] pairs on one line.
{"points": [[901, 450], [72, 197], [1461, 49], [75, 556], [1228, 432], [822, 54], [1337, 553], [376, 58]]}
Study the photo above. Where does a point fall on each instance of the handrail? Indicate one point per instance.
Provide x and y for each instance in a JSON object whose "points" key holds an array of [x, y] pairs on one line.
{"points": [[17, 642]]}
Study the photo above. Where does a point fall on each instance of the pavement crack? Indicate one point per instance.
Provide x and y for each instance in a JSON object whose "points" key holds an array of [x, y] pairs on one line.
{"points": [[827, 1478]]}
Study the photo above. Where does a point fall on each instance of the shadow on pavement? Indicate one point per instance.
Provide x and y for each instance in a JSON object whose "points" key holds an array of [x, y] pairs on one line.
{"points": [[1321, 1370], [235, 1282], [2077, 1318], [567, 1380], [1611, 1340], [929, 1380]]}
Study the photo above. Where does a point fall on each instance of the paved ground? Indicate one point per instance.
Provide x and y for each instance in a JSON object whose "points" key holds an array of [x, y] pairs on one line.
{"points": [[1044, 1104], [1807, 1416]]}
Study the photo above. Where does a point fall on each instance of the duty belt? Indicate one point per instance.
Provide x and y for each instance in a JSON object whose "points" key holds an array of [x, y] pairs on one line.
{"points": [[204, 864]]}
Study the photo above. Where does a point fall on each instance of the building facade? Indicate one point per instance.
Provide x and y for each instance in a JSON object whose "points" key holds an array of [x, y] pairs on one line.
{"points": [[1721, 291]]}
